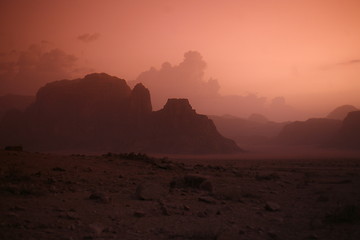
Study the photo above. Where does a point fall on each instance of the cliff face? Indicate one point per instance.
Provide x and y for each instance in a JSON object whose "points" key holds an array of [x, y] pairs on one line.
{"points": [[101, 113]]}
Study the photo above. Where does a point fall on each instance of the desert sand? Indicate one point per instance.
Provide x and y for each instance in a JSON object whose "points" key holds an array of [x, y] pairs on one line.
{"points": [[110, 196]]}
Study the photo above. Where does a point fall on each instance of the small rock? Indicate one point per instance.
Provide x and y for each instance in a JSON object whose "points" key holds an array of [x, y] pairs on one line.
{"points": [[96, 228], [58, 169], [17, 208], [273, 235], [190, 181], [139, 214], [272, 207], [150, 191], [164, 209], [313, 237], [228, 234], [100, 197], [69, 216], [207, 199], [206, 186], [202, 214]]}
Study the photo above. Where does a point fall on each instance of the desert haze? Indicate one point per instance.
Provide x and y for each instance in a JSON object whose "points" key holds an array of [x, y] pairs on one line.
{"points": [[176, 119]]}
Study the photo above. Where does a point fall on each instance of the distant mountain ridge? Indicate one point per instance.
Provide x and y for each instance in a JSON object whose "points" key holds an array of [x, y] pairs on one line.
{"points": [[341, 112], [254, 130], [333, 131], [314, 131], [101, 112], [349, 133]]}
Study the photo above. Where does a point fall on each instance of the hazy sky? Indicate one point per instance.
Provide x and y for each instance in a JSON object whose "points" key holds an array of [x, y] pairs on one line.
{"points": [[305, 50]]}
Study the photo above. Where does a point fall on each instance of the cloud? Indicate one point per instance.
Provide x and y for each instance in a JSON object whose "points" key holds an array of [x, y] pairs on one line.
{"points": [[186, 80], [183, 80], [87, 37], [24, 72]]}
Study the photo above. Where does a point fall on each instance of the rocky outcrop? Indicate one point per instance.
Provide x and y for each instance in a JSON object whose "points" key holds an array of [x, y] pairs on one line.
{"points": [[315, 131], [349, 134], [178, 127], [101, 113], [341, 112]]}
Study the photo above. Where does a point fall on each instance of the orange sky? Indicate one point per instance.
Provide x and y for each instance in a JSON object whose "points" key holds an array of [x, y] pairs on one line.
{"points": [[305, 50]]}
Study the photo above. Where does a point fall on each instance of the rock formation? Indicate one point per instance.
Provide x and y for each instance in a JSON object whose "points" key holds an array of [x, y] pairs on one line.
{"points": [[178, 126], [341, 112], [315, 131], [101, 113], [349, 134]]}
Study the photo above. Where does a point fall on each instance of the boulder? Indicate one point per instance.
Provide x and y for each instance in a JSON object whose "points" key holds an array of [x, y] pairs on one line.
{"points": [[150, 191]]}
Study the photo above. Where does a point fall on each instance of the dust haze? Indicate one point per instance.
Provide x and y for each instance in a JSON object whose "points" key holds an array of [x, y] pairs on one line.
{"points": [[179, 119]]}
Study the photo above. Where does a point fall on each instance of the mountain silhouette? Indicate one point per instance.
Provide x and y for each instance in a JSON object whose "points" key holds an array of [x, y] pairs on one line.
{"points": [[341, 112], [349, 133], [253, 130], [314, 131], [102, 113]]}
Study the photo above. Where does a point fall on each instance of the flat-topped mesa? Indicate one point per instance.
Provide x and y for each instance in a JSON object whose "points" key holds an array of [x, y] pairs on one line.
{"points": [[178, 106]]}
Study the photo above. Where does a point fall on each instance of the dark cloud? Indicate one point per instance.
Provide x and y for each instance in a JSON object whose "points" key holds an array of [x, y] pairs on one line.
{"points": [[87, 37], [24, 72]]}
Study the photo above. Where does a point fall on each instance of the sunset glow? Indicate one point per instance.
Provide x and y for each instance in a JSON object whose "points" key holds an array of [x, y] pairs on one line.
{"points": [[305, 51]]}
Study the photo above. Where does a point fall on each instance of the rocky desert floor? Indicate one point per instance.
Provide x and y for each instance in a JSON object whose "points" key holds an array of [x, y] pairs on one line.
{"points": [[133, 196]]}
